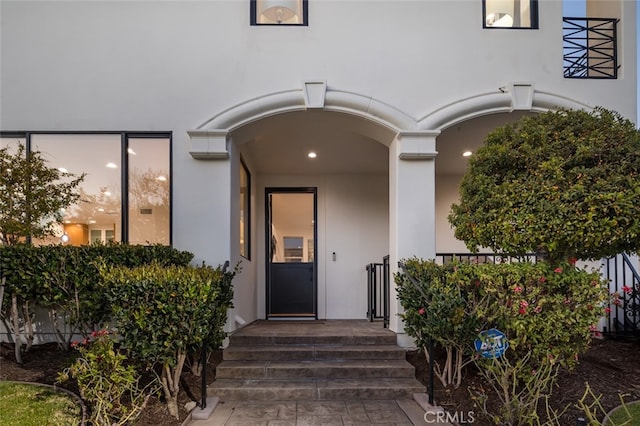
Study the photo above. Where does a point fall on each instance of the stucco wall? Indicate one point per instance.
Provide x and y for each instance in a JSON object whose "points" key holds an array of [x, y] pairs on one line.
{"points": [[353, 222], [171, 66]]}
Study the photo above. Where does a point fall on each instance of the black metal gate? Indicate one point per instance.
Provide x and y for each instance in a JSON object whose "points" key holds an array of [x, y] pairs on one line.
{"points": [[378, 282]]}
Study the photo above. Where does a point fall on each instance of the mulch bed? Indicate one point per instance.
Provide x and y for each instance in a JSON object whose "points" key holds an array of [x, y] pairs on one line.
{"points": [[611, 367]]}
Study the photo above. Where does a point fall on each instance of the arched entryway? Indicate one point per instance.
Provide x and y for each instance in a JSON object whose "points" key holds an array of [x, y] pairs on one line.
{"points": [[375, 176]]}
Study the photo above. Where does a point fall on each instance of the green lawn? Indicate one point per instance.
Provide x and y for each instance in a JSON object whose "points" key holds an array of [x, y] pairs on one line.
{"points": [[32, 405], [628, 415]]}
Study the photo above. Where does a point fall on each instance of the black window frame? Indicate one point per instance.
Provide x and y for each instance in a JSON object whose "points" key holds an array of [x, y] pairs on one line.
{"points": [[535, 22], [253, 18], [124, 173], [247, 220]]}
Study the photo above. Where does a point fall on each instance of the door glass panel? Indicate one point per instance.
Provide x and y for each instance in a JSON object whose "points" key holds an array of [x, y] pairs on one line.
{"points": [[291, 227]]}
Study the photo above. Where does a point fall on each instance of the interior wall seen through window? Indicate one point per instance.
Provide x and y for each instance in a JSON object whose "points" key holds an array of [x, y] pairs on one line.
{"points": [[510, 14], [100, 206]]}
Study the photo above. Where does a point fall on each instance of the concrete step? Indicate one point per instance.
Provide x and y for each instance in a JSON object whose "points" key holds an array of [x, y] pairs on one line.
{"points": [[315, 389], [350, 369], [254, 339], [312, 361], [312, 352]]}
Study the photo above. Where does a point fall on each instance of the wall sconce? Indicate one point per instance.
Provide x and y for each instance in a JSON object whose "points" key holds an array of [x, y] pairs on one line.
{"points": [[279, 12]]}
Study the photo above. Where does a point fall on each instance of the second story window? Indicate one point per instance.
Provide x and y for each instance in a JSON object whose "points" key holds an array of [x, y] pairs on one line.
{"points": [[510, 14], [279, 12]]}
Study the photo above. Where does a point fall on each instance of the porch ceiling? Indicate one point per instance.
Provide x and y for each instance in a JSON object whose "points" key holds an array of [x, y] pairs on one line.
{"points": [[344, 144], [467, 136], [349, 144]]}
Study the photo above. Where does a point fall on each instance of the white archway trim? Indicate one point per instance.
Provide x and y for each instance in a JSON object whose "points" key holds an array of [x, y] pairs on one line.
{"points": [[295, 100], [502, 101], [417, 145], [256, 109], [369, 108], [544, 101], [209, 140]]}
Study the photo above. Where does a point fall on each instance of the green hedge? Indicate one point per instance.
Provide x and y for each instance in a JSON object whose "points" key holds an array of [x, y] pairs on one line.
{"points": [[65, 278]]}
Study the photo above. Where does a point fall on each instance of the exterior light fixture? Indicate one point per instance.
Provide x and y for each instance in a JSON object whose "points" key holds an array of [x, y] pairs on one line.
{"points": [[279, 12], [467, 154], [312, 154], [65, 238]]}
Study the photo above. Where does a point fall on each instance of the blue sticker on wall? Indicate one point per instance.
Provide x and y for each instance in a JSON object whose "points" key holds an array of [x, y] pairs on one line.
{"points": [[491, 343]]}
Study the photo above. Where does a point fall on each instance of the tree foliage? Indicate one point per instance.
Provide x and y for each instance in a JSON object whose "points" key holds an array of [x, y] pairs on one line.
{"points": [[564, 183], [32, 195]]}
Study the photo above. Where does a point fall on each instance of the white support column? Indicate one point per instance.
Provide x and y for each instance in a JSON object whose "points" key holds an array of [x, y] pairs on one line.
{"points": [[205, 229], [411, 207]]}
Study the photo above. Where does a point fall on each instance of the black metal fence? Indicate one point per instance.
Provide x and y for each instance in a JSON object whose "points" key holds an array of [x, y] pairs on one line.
{"points": [[444, 258], [378, 283], [621, 272], [590, 48], [624, 285]]}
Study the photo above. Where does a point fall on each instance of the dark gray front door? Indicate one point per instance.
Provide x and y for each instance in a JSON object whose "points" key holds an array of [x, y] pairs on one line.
{"points": [[291, 252]]}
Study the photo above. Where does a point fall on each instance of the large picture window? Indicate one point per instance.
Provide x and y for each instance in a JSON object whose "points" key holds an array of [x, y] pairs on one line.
{"points": [[510, 14], [125, 196]]}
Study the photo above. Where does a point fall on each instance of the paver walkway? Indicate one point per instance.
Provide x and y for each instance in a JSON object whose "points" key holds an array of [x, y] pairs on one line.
{"points": [[326, 413]]}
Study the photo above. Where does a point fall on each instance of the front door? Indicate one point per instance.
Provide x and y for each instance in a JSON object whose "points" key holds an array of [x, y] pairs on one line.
{"points": [[291, 252]]}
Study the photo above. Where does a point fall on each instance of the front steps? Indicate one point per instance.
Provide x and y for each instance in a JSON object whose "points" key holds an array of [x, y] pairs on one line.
{"points": [[314, 360]]}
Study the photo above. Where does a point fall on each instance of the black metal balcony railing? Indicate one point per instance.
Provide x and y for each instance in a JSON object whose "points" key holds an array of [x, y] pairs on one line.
{"points": [[590, 48]]}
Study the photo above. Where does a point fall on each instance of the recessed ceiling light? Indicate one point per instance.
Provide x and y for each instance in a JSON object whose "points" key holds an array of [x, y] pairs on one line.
{"points": [[312, 154], [467, 154], [161, 178], [112, 165], [63, 170], [131, 151]]}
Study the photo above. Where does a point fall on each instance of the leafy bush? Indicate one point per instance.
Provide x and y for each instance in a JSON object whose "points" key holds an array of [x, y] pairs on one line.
{"points": [[563, 183], [65, 280], [108, 383], [548, 314], [164, 313]]}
